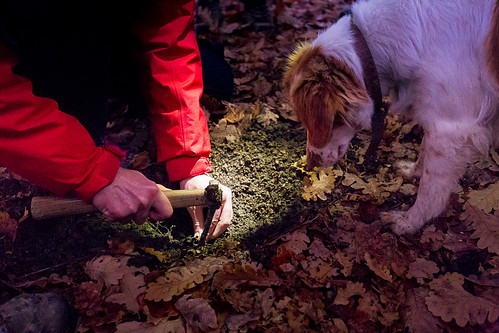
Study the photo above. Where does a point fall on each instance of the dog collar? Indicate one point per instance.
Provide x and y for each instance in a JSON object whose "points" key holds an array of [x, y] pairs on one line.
{"points": [[371, 81]]}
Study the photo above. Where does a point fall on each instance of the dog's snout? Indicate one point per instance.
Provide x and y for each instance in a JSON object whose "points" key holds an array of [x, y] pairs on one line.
{"points": [[313, 160]]}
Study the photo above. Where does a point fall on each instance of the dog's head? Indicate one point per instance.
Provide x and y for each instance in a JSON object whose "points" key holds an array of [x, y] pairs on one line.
{"points": [[328, 99]]}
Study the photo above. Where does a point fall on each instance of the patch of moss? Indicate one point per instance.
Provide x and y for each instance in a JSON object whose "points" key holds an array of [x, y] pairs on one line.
{"points": [[258, 169]]}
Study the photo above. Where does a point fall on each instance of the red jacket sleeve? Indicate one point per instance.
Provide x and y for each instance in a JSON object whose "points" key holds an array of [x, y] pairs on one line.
{"points": [[175, 85], [44, 145]]}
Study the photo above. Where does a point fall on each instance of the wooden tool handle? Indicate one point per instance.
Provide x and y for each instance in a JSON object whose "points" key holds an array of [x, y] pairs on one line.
{"points": [[50, 207]]}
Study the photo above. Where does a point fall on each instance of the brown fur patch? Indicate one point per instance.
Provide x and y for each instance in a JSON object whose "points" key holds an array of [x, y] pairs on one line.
{"points": [[492, 45], [322, 90]]}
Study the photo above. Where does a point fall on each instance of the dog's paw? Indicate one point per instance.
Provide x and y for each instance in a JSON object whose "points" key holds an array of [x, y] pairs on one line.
{"points": [[407, 169], [400, 223]]}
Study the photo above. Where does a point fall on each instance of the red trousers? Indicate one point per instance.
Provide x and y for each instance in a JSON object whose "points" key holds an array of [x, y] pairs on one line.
{"points": [[52, 149]]}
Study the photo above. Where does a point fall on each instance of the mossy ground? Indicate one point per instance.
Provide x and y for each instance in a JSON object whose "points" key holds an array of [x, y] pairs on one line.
{"points": [[266, 197]]}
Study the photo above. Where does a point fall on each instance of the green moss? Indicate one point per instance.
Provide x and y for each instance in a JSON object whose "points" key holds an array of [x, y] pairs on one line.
{"points": [[258, 169]]}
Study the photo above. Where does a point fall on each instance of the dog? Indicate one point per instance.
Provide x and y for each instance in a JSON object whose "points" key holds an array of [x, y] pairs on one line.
{"points": [[430, 58], [492, 45]]}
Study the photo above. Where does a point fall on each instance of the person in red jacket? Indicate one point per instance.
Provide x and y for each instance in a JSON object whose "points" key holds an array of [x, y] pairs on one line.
{"points": [[41, 141]]}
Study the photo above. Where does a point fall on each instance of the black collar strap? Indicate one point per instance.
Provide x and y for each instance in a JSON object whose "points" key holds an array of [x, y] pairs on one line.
{"points": [[371, 81]]}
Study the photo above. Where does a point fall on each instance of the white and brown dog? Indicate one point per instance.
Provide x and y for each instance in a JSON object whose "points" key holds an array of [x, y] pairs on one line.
{"points": [[430, 58]]}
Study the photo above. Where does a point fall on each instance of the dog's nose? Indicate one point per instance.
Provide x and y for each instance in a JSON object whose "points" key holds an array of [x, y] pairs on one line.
{"points": [[313, 160]]}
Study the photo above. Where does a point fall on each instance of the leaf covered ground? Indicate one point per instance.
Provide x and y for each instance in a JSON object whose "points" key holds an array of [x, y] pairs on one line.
{"points": [[306, 251]]}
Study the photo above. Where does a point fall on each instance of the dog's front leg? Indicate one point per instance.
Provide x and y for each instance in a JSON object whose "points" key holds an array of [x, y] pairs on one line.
{"points": [[444, 162]]}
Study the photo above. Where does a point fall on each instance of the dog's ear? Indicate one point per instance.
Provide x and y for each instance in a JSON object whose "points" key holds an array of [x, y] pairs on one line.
{"points": [[322, 90]]}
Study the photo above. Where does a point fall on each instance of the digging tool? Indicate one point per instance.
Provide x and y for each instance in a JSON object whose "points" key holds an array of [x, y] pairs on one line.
{"points": [[211, 197]]}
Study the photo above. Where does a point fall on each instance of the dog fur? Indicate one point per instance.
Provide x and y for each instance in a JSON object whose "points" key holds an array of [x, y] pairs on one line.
{"points": [[492, 45], [431, 60]]}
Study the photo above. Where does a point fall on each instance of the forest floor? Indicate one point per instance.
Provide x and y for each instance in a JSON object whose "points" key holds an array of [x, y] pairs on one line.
{"points": [[306, 251]]}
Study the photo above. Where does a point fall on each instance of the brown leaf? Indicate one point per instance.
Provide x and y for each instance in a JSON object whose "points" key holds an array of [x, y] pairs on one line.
{"points": [[378, 268], [44, 281], [235, 275], [131, 286], [197, 312], [487, 199], [346, 261], [351, 289], [318, 250], [422, 269], [377, 189], [448, 300], [267, 117], [8, 226], [140, 161], [297, 242], [106, 268], [176, 326], [417, 318], [485, 226], [178, 279], [318, 185]]}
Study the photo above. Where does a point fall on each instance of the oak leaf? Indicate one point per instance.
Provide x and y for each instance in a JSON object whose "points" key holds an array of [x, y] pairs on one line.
{"points": [[375, 188], [346, 261], [316, 186], [8, 226], [169, 326], [351, 289], [485, 226], [235, 275], [486, 199], [44, 281], [106, 268], [197, 312], [267, 117], [132, 284], [297, 242], [178, 279], [318, 250], [448, 300], [378, 268], [417, 318], [422, 269]]}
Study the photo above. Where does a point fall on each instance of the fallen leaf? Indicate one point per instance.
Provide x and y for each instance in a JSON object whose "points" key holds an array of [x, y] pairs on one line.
{"points": [[485, 226], [417, 318], [106, 268], [132, 284], [44, 281], [317, 186], [298, 242], [8, 226], [378, 268], [140, 161], [197, 312], [179, 279], [173, 326], [351, 289], [422, 269], [486, 199], [448, 300]]}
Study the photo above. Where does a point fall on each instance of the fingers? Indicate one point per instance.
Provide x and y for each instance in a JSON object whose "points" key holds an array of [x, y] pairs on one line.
{"points": [[131, 196], [197, 216], [223, 215], [161, 208]]}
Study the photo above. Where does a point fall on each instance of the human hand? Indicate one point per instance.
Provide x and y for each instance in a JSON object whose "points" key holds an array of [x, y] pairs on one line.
{"points": [[223, 215], [131, 196]]}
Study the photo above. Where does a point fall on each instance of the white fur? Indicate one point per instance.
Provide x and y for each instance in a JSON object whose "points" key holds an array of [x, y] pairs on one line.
{"points": [[430, 58]]}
